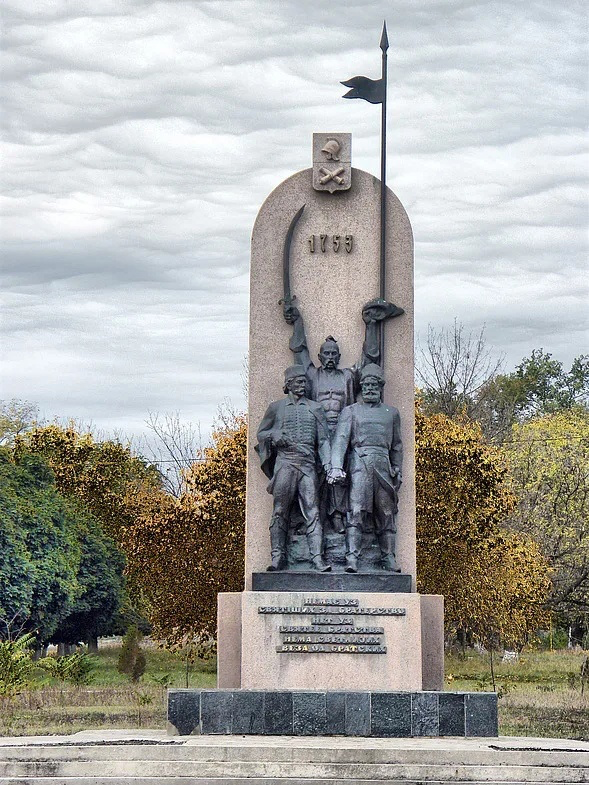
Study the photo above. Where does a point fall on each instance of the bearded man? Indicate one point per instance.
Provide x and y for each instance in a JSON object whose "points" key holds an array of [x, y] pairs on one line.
{"points": [[369, 433]]}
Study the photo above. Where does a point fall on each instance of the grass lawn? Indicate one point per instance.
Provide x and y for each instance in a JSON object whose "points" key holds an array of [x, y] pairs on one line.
{"points": [[539, 694], [109, 701]]}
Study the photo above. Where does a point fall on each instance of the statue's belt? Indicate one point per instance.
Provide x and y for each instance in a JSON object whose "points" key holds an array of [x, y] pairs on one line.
{"points": [[369, 451]]}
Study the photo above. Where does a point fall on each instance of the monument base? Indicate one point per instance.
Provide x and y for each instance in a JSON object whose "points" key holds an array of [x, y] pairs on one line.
{"points": [[293, 580], [275, 640], [332, 713]]}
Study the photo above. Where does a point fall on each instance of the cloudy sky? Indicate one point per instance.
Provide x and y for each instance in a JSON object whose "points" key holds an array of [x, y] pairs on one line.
{"points": [[141, 138]]}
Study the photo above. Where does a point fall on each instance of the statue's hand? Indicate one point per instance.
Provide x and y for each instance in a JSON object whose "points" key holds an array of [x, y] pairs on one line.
{"points": [[369, 315], [335, 476], [291, 313], [377, 310], [397, 478], [281, 440], [332, 417]]}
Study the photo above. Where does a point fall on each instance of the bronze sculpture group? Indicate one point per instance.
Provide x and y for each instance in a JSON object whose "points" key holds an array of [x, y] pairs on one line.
{"points": [[331, 460]]}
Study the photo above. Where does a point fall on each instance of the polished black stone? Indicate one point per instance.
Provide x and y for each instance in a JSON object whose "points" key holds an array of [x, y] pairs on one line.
{"points": [[331, 713], [247, 712], [309, 714], [451, 714], [278, 713], [215, 711], [390, 714], [357, 714], [424, 714], [331, 581], [184, 710], [335, 703], [481, 714]]}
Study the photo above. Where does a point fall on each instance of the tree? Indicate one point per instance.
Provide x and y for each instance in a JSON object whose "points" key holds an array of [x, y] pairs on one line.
{"points": [[95, 612], [494, 583], [181, 445], [105, 477], [457, 374], [183, 552], [39, 551], [132, 659], [452, 369], [16, 417], [549, 459], [538, 386]]}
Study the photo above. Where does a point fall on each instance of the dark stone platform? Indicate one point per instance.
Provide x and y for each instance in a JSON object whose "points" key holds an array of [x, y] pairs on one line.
{"points": [[333, 713], [293, 580]]}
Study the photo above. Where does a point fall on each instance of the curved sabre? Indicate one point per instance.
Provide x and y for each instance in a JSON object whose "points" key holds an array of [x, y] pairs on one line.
{"points": [[288, 298]]}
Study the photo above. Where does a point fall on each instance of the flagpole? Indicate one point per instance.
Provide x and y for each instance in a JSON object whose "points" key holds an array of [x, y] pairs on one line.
{"points": [[384, 45]]}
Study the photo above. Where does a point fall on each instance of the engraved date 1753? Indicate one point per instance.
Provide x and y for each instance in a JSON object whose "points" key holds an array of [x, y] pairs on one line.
{"points": [[321, 242]]}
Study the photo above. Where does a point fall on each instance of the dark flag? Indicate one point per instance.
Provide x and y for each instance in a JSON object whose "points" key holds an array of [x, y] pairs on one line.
{"points": [[372, 90]]}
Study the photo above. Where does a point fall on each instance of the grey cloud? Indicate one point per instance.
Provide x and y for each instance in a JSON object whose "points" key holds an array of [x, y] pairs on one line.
{"points": [[142, 137]]}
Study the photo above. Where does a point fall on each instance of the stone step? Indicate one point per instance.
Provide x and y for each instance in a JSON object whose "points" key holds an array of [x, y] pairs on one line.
{"points": [[290, 751], [344, 772], [241, 781]]}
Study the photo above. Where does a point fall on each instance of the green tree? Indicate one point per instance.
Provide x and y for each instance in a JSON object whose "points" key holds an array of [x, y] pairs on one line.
{"points": [[549, 459], [39, 551], [539, 385], [102, 588]]}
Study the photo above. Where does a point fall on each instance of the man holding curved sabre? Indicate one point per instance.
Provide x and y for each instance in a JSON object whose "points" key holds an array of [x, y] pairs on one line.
{"points": [[332, 387]]}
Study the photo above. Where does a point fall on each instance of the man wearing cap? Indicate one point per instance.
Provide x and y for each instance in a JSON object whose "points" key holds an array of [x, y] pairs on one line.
{"points": [[335, 388], [291, 435], [370, 434]]}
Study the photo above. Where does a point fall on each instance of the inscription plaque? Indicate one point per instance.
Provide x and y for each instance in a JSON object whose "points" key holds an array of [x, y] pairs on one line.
{"points": [[329, 633]]}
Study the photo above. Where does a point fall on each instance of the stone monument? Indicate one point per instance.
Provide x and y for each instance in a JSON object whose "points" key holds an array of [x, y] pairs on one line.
{"points": [[329, 635]]}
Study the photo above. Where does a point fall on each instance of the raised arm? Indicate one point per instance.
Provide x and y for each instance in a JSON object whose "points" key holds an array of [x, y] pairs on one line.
{"points": [[373, 314], [298, 342]]}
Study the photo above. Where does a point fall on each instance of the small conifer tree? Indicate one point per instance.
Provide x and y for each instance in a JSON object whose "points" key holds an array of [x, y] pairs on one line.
{"points": [[132, 660]]}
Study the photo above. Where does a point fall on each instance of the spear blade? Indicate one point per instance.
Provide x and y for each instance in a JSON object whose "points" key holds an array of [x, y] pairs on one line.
{"points": [[384, 39]]}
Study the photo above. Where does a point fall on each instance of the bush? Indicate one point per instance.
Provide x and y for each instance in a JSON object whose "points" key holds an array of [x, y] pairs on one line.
{"points": [[76, 668], [16, 664], [132, 660]]}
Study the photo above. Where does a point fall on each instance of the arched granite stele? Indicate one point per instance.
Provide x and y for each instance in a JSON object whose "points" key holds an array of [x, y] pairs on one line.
{"points": [[331, 288]]}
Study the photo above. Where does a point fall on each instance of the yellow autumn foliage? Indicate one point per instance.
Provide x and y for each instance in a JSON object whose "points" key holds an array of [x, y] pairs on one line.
{"points": [[495, 583]]}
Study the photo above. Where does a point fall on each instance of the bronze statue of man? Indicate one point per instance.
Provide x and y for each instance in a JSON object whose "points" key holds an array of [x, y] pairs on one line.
{"points": [[370, 434], [291, 436], [335, 388]]}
